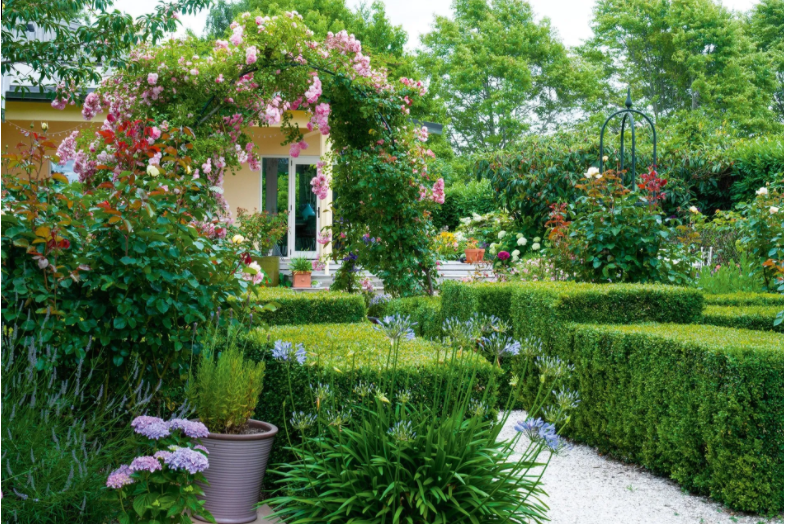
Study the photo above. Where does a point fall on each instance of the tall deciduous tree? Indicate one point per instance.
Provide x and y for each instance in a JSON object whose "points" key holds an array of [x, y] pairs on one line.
{"points": [[684, 55], [79, 35], [766, 29], [498, 71]]}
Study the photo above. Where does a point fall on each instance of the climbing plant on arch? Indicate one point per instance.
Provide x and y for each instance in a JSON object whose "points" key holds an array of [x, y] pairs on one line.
{"points": [[269, 67]]}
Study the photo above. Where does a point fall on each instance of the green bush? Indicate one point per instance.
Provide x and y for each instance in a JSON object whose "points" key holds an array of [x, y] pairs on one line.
{"points": [[341, 355], [461, 300], [318, 307], [426, 311], [744, 299], [463, 199], [759, 318], [701, 404], [540, 309]]}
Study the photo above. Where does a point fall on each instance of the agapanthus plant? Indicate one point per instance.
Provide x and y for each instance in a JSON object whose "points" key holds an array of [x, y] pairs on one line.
{"points": [[386, 457], [161, 484]]}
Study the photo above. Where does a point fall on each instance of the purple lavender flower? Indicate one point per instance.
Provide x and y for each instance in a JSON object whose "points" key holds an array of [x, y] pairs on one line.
{"points": [[187, 459], [145, 464], [190, 428], [120, 477], [151, 427]]}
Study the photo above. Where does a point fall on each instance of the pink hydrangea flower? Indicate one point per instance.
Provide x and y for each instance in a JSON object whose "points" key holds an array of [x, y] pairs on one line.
{"points": [[120, 477]]}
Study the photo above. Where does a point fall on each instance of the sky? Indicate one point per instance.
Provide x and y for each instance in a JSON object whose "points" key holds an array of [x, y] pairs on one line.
{"points": [[570, 18]]}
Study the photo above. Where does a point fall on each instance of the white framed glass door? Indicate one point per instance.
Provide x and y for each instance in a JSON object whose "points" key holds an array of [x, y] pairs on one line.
{"points": [[304, 211]]}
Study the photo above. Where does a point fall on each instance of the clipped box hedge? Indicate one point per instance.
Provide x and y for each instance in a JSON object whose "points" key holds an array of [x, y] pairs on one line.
{"points": [[461, 300], [540, 309], [426, 311], [311, 307], [342, 355], [701, 404], [759, 318], [744, 299]]}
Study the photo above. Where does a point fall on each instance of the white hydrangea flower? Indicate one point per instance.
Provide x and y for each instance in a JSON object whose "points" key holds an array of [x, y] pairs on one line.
{"points": [[516, 253], [522, 241], [501, 234], [536, 246]]}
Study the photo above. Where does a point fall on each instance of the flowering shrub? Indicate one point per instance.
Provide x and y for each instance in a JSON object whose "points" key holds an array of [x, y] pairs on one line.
{"points": [[128, 265], [377, 451], [263, 230], [448, 247], [161, 486], [268, 68], [763, 232]]}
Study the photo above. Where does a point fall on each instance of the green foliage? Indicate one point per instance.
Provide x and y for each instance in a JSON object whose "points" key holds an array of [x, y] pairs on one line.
{"points": [[763, 232], [744, 299], [462, 199], [341, 355], [660, 50], [76, 40], [766, 28], [61, 429], [701, 404], [747, 275], [760, 318], [263, 230], [461, 300], [126, 265], [386, 457], [499, 72], [226, 387], [300, 265], [425, 311], [320, 307], [540, 309]]}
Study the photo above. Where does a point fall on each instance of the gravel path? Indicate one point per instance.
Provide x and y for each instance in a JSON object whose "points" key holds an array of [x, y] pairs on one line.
{"points": [[585, 488]]}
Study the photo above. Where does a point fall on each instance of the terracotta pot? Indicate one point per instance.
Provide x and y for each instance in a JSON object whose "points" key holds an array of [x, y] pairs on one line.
{"points": [[302, 279], [474, 255], [235, 473]]}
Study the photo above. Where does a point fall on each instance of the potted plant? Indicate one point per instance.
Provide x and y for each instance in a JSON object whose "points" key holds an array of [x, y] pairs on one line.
{"points": [[263, 231], [301, 271], [473, 252], [224, 392]]}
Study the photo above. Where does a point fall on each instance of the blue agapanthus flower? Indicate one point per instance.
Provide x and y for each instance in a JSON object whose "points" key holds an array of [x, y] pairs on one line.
{"points": [[540, 431], [287, 351], [396, 327]]}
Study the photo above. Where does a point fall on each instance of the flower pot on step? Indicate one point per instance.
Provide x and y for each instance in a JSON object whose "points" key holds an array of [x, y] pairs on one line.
{"points": [[236, 471], [302, 279], [474, 256]]}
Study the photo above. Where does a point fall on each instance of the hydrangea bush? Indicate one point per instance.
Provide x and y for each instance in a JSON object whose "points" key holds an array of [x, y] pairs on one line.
{"points": [[161, 486]]}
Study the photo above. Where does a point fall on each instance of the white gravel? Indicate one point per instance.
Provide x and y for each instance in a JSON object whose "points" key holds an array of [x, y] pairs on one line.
{"points": [[586, 488]]}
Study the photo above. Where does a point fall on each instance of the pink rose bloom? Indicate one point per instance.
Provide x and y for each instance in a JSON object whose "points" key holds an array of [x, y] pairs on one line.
{"points": [[194, 71], [155, 133], [222, 44], [250, 55], [219, 78], [152, 78], [59, 103]]}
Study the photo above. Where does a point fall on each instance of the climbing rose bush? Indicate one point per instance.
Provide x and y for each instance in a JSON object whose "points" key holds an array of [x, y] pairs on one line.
{"points": [[268, 68]]}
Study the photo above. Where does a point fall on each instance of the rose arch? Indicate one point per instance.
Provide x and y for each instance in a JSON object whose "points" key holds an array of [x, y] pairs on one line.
{"points": [[202, 98]]}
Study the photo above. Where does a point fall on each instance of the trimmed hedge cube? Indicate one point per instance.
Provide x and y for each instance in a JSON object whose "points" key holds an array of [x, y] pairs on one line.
{"points": [[341, 355], [461, 300], [701, 404], [311, 307], [744, 299], [540, 309], [759, 318], [426, 311]]}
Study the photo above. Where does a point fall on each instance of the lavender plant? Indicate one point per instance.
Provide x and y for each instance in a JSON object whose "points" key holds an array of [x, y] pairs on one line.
{"points": [[386, 459], [161, 486], [61, 428]]}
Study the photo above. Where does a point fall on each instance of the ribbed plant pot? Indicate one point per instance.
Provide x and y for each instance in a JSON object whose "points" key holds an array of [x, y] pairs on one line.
{"points": [[235, 473], [474, 255], [271, 267], [301, 279]]}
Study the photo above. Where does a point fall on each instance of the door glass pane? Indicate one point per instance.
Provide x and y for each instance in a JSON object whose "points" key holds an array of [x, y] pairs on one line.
{"points": [[305, 208], [275, 193]]}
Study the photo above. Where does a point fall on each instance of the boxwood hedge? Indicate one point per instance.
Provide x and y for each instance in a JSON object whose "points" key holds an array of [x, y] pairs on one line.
{"points": [[701, 404], [760, 318], [342, 355], [744, 299], [461, 300], [426, 311], [537, 309], [311, 307]]}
